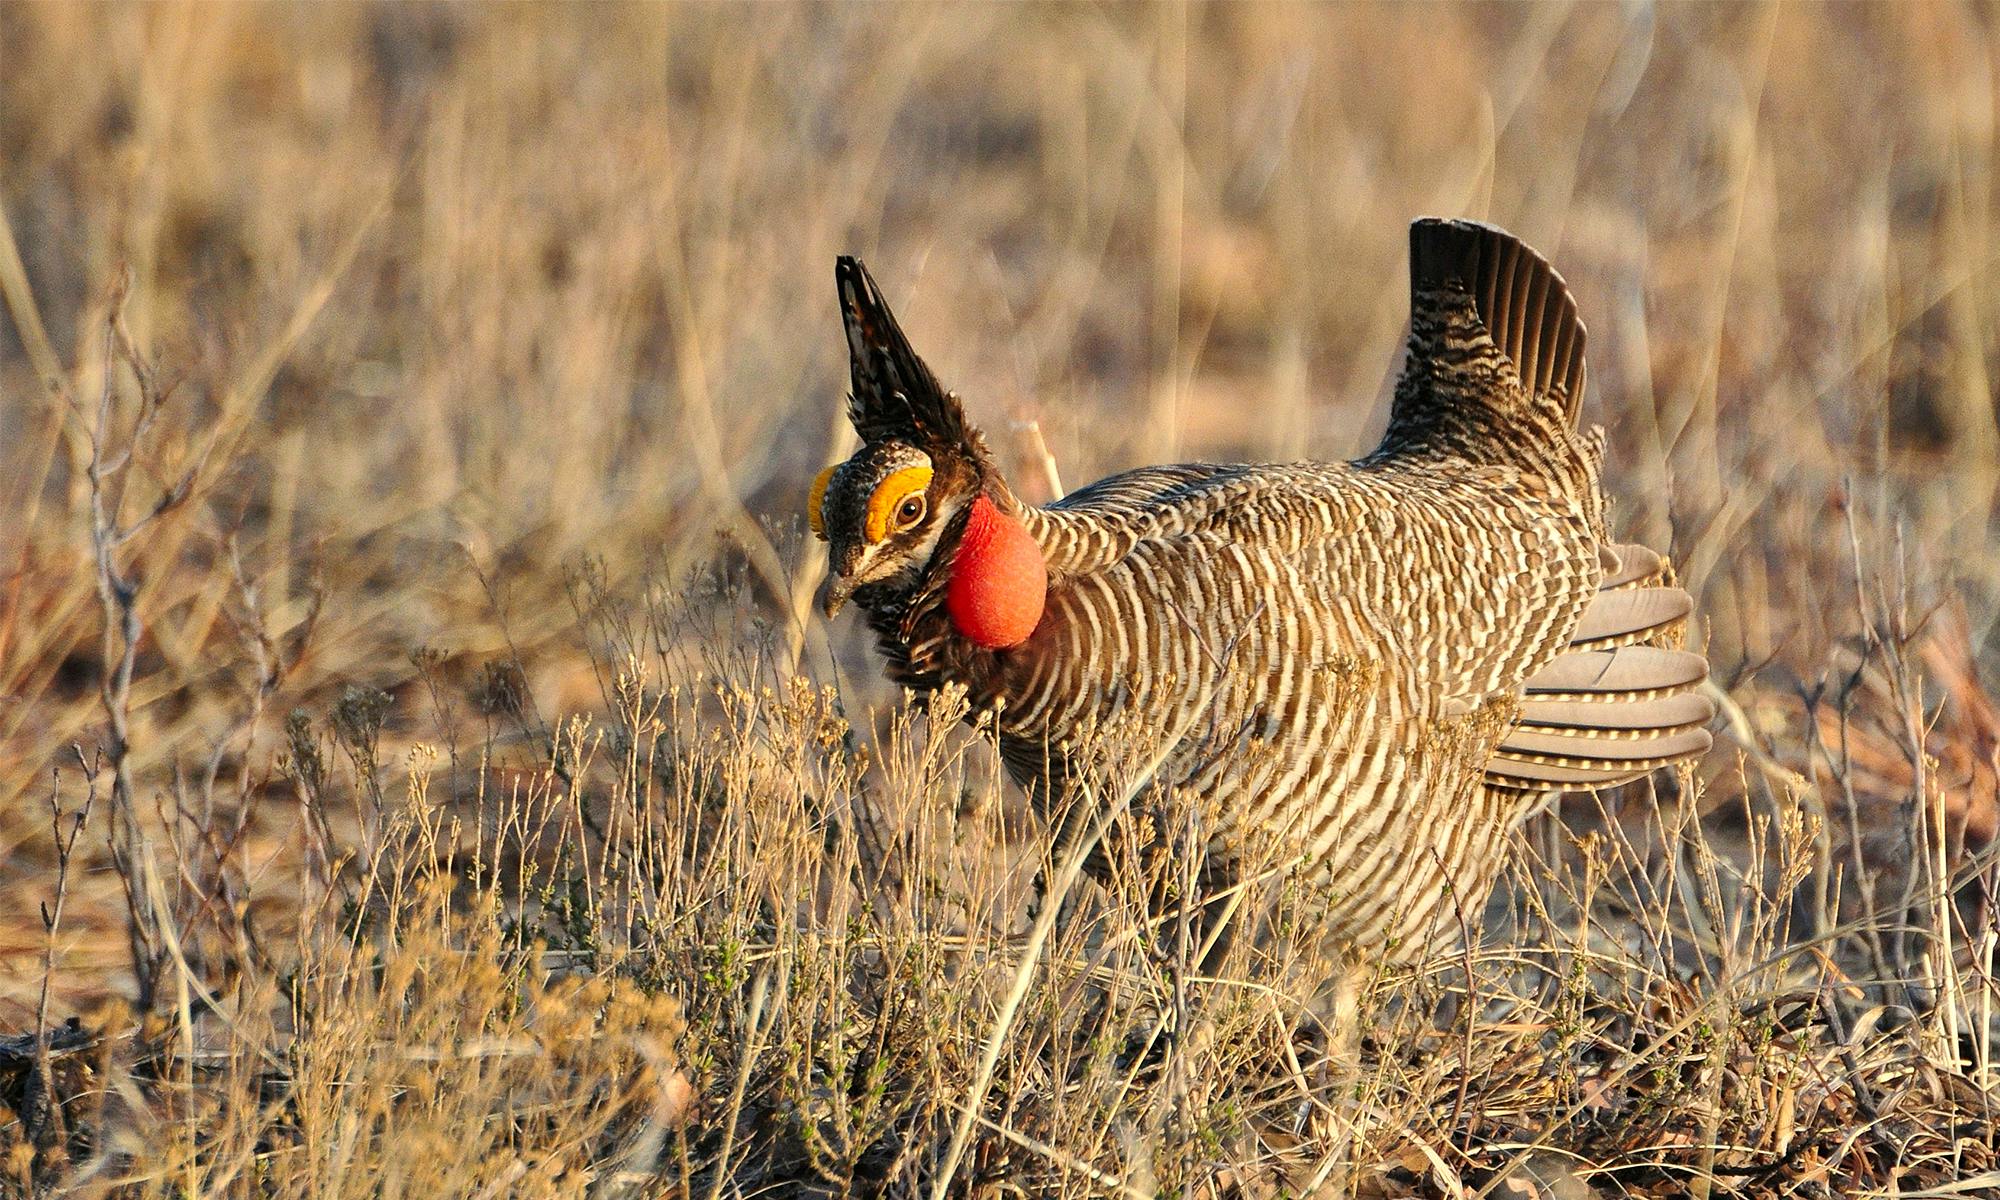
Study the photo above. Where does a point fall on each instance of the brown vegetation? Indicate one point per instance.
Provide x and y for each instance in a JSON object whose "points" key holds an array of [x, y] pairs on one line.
{"points": [[423, 774]]}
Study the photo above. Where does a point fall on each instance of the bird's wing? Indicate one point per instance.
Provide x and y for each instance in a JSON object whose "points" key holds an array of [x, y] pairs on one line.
{"points": [[1143, 489]]}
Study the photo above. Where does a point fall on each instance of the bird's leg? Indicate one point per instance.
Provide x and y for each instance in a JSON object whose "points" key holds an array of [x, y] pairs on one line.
{"points": [[1064, 819], [1341, 1069], [1333, 1021], [1218, 917], [1203, 934], [1343, 1050]]}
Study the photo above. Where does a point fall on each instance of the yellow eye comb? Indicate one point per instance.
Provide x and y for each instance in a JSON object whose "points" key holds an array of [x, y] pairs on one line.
{"points": [[890, 493], [815, 497]]}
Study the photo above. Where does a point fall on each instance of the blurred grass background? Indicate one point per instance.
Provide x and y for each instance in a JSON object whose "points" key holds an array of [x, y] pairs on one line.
{"points": [[484, 329], [455, 298]]}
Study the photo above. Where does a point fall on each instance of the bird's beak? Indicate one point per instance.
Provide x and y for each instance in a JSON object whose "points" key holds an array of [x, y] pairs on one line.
{"points": [[834, 596]]}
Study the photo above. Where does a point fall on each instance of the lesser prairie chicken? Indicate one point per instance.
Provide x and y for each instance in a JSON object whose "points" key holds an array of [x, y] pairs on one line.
{"points": [[1385, 665]]}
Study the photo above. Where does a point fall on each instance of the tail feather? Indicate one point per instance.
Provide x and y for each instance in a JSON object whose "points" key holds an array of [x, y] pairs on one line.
{"points": [[1494, 370], [1522, 302], [1622, 701]]}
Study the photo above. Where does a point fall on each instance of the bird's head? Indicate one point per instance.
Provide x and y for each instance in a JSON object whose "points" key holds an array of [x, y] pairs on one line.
{"points": [[882, 513], [921, 491]]}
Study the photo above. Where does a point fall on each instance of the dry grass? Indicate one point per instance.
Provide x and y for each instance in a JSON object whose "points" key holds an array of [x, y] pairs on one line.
{"points": [[403, 417]]}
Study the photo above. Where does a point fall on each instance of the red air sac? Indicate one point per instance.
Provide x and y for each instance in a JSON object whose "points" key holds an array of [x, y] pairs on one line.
{"points": [[998, 580]]}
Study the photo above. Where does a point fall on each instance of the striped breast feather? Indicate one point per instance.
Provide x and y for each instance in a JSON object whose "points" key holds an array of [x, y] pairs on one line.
{"points": [[1621, 700]]}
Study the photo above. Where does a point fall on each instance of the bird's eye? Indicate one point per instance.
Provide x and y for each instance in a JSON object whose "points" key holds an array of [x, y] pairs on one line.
{"points": [[897, 503]]}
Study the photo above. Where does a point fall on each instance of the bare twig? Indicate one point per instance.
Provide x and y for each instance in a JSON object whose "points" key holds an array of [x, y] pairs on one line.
{"points": [[49, 1135], [118, 596]]}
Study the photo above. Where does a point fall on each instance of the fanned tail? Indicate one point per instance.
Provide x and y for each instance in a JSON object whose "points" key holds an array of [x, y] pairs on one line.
{"points": [[1496, 345], [1623, 700]]}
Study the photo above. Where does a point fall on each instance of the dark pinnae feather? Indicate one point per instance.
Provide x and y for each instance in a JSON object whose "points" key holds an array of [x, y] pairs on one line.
{"points": [[895, 395]]}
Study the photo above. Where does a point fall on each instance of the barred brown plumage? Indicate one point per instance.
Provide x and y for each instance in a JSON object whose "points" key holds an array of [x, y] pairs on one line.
{"points": [[1393, 661]]}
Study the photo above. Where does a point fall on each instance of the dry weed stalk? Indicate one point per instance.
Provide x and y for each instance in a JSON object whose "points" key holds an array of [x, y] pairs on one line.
{"points": [[516, 288], [112, 452], [668, 967], [41, 1104]]}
